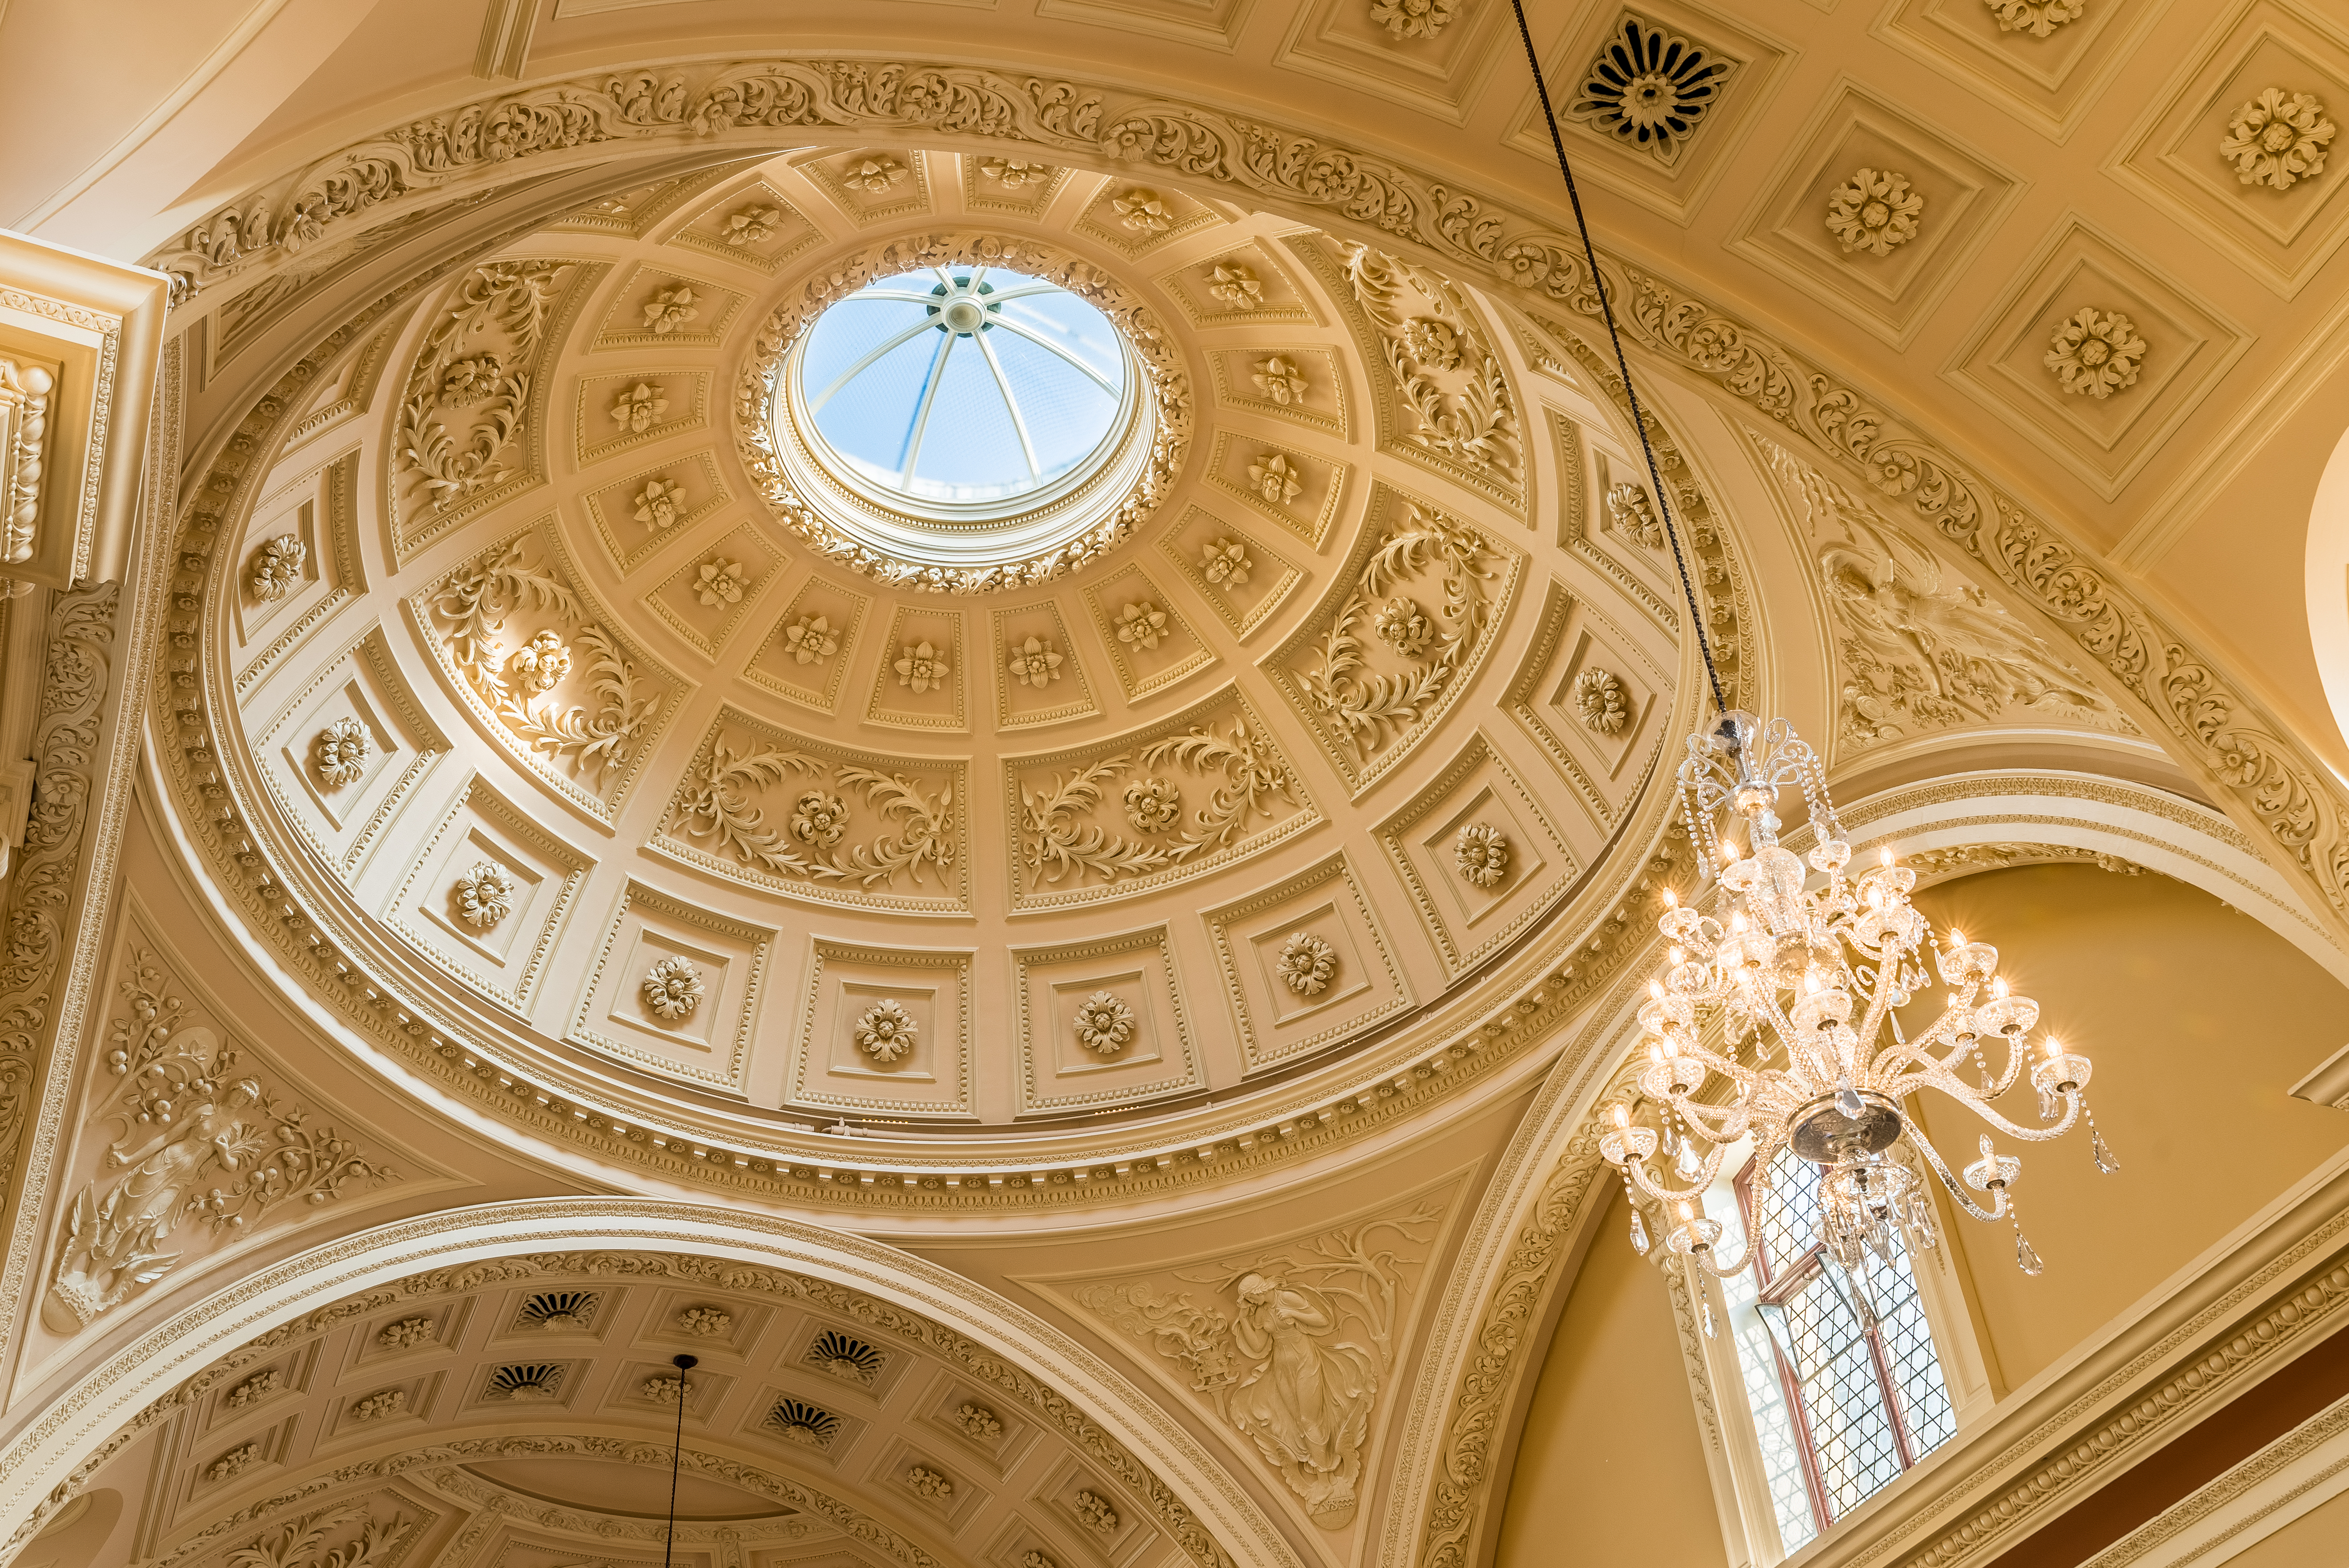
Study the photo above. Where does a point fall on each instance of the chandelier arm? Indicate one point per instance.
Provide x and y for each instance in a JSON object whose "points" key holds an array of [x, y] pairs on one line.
{"points": [[1922, 1049], [2043, 1134], [1702, 1258], [1727, 1067], [1712, 1119], [2018, 1056], [1928, 1069], [1975, 1101], [1933, 1157], [1880, 1002], [1663, 1195]]}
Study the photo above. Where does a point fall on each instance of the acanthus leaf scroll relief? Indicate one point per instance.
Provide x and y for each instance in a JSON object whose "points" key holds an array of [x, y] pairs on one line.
{"points": [[199, 1141], [720, 804], [472, 608], [1444, 369], [1294, 1346], [468, 393], [1246, 782], [301, 1542], [1368, 707]]}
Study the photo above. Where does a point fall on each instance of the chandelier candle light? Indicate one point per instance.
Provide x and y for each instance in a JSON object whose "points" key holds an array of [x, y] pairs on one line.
{"points": [[1805, 985], [1810, 1056]]}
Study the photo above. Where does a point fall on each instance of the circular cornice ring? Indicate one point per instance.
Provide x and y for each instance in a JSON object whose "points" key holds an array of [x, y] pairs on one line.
{"points": [[1125, 491], [1454, 1046]]}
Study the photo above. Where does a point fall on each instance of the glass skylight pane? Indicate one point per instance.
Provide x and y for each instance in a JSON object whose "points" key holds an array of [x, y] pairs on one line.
{"points": [[845, 335], [970, 449], [1075, 327], [867, 420], [1061, 361], [1066, 411]]}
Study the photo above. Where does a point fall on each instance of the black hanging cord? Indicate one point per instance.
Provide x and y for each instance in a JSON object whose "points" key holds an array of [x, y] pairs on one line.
{"points": [[684, 1364], [1623, 365]]}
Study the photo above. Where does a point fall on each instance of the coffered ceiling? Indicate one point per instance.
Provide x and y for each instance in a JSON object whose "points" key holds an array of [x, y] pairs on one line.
{"points": [[544, 794], [2051, 161]]}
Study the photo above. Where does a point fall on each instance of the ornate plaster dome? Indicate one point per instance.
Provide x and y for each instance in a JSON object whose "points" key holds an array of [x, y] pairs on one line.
{"points": [[1058, 677]]}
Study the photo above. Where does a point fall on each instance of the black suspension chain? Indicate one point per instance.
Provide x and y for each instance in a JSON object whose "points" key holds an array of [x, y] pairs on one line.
{"points": [[1622, 364], [683, 1364]]}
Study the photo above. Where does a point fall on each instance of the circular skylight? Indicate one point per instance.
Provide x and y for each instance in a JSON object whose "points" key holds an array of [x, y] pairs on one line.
{"points": [[966, 390]]}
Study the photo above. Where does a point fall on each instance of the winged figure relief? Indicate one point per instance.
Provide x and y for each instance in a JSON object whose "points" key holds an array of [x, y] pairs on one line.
{"points": [[1923, 653]]}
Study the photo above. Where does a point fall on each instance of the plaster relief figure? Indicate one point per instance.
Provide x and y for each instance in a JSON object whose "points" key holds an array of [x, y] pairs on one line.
{"points": [[1923, 650], [1308, 1402], [1298, 1362], [114, 1242]]}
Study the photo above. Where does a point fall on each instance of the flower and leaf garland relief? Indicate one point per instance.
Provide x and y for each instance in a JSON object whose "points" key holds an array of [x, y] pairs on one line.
{"points": [[472, 609], [468, 394], [199, 1141], [1445, 371], [1177, 800], [1292, 1348], [841, 825], [1389, 657]]}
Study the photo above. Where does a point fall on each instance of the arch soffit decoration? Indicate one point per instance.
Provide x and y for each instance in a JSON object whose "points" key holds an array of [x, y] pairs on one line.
{"points": [[2220, 732], [59, 1447], [1485, 1354]]}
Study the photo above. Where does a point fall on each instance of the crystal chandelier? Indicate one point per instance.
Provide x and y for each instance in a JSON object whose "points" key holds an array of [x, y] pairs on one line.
{"points": [[1774, 1023]]}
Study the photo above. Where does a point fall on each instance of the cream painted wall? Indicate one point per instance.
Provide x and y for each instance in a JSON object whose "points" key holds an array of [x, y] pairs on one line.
{"points": [[1610, 1468], [2198, 1018], [2311, 1541]]}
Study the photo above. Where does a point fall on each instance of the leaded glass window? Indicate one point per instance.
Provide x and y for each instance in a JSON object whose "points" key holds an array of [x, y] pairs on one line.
{"points": [[1858, 1394]]}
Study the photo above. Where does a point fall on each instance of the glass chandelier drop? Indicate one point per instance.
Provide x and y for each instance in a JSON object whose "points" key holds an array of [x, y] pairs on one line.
{"points": [[1774, 1022]]}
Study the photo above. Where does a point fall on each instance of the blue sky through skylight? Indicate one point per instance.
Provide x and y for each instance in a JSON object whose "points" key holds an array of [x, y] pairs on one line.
{"points": [[962, 384]]}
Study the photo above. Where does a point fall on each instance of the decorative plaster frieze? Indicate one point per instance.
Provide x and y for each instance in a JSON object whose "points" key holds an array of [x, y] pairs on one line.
{"points": [[1296, 1347], [184, 1118]]}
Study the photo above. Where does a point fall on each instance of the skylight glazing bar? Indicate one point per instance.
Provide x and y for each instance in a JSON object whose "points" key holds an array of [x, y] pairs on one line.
{"points": [[921, 412], [1018, 420]]}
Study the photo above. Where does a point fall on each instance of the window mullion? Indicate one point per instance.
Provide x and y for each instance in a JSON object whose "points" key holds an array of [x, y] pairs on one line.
{"points": [[1881, 1360]]}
